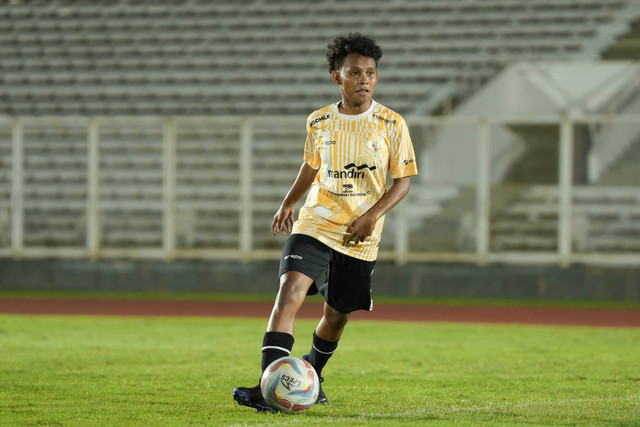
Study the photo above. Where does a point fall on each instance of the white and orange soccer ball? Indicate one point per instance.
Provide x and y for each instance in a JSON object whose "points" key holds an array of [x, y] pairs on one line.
{"points": [[290, 384]]}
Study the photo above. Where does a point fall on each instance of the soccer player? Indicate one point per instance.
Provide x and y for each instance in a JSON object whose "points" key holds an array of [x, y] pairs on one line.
{"points": [[350, 148]]}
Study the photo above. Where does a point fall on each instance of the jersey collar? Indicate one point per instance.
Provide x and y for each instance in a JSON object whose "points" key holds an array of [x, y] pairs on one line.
{"points": [[334, 107]]}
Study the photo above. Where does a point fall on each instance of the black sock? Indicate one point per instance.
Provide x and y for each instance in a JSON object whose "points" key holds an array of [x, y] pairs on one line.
{"points": [[320, 353], [274, 346]]}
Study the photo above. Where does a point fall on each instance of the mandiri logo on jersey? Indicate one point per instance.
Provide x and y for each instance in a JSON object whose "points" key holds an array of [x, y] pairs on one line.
{"points": [[351, 171]]}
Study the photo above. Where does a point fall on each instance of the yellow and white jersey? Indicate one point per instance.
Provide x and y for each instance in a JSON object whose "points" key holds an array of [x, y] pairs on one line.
{"points": [[353, 154]]}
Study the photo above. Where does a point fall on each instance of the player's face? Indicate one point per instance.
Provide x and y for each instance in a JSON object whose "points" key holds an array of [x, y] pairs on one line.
{"points": [[357, 79]]}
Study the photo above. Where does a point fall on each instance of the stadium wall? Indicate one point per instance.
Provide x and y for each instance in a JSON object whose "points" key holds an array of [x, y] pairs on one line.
{"points": [[577, 281]]}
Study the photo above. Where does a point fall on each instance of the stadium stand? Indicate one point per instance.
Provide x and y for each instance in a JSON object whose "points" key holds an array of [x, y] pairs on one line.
{"points": [[5, 184], [256, 57], [131, 184], [184, 58], [208, 180], [627, 46], [605, 219]]}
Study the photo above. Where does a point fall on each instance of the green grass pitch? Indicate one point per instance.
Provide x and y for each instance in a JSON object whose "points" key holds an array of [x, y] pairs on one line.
{"points": [[181, 371]]}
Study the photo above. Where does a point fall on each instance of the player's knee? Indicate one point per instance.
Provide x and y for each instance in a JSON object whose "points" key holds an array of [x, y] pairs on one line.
{"points": [[293, 290], [335, 319]]}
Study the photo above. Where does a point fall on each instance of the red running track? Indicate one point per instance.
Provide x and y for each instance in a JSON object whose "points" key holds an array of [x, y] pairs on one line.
{"points": [[598, 317]]}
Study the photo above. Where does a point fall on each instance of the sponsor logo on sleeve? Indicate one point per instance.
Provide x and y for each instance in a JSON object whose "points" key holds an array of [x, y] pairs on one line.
{"points": [[319, 119], [387, 121]]}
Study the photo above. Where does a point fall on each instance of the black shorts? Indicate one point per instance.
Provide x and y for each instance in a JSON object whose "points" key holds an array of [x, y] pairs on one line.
{"points": [[347, 280]]}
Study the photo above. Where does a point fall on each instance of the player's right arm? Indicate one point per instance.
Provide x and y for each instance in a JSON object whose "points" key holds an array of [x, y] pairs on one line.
{"points": [[283, 219]]}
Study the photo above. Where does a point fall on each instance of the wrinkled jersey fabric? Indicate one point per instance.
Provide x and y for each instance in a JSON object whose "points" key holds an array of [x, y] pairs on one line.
{"points": [[353, 155]]}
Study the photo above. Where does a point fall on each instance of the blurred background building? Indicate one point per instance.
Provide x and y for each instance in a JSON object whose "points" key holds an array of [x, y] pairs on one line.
{"points": [[153, 131]]}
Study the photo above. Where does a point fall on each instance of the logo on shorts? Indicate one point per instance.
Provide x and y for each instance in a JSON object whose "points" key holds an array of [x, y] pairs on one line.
{"points": [[293, 257]]}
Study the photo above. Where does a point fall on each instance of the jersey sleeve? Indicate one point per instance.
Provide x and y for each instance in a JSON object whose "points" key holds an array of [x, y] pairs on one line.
{"points": [[311, 152], [402, 159]]}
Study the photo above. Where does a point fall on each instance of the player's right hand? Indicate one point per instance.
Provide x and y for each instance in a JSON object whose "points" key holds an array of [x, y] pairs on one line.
{"points": [[283, 220]]}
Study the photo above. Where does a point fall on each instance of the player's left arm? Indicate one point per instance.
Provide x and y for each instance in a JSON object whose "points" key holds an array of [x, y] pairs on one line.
{"points": [[364, 226]]}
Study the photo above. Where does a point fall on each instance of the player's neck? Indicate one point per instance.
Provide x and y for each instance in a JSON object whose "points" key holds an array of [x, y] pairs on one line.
{"points": [[352, 110]]}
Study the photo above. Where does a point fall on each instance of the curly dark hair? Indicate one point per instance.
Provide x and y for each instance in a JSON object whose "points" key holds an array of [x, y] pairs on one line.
{"points": [[341, 46]]}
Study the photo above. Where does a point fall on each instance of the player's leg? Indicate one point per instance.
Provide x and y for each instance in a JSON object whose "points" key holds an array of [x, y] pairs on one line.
{"points": [[304, 260], [332, 324], [326, 337], [278, 340], [348, 288], [325, 342]]}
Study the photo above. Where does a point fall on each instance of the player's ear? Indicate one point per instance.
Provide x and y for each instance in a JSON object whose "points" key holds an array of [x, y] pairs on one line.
{"points": [[335, 76]]}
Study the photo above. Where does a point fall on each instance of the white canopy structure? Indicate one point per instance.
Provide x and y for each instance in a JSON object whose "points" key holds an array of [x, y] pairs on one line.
{"points": [[525, 92]]}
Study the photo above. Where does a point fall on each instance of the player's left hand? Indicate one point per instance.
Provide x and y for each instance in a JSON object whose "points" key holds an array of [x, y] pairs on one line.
{"points": [[359, 230]]}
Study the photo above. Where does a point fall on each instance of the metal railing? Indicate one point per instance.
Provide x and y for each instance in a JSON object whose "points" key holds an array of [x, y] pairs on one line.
{"points": [[408, 234]]}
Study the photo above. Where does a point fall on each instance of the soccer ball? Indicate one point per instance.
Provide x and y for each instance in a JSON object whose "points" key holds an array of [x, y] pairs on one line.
{"points": [[290, 385]]}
